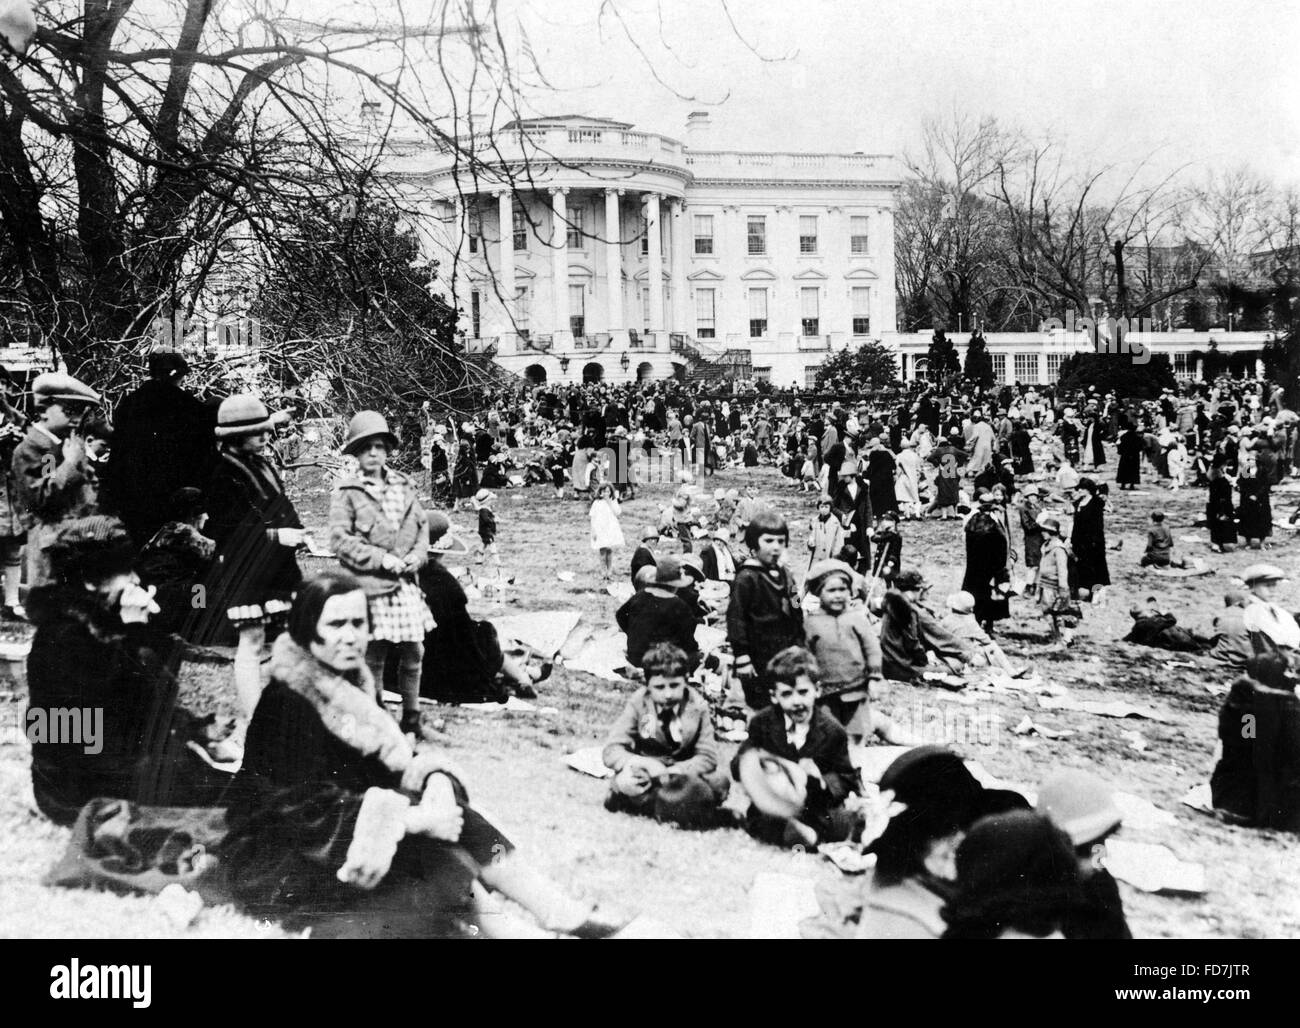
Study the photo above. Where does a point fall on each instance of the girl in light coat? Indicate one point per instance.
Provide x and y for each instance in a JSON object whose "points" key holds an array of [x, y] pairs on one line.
{"points": [[606, 533]]}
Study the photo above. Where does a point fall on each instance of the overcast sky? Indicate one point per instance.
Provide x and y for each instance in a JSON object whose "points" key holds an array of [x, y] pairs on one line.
{"points": [[1201, 82]]}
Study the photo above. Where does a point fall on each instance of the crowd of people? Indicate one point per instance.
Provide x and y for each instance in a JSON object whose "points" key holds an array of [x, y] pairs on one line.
{"points": [[174, 525]]}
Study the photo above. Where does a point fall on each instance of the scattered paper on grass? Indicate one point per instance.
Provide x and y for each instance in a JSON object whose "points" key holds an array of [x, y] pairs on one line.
{"points": [[1142, 814], [514, 705], [1198, 568], [1113, 708], [1136, 741], [1028, 727], [589, 762], [1192, 539], [1153, 868], [1200, 798], [603, 656], [543, 630], [565, 576], [777, 903], [621, 591]]}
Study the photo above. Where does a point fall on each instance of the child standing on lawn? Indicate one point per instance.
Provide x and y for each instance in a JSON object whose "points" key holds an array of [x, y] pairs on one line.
{"points": [[795, 762], [606, 534], [662, 749], [762, 617], [487, 530], [847, 650]]}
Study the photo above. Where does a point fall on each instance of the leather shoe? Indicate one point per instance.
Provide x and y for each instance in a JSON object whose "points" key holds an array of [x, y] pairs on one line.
{"points": [[600, 924]]}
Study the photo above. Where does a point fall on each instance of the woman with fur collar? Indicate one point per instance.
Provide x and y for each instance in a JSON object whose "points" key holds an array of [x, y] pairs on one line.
{"points": [[94, 654], [343, 825]]}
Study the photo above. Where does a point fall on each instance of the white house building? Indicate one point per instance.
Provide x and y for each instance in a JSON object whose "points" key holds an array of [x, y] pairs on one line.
{"points": [[581, 248]]}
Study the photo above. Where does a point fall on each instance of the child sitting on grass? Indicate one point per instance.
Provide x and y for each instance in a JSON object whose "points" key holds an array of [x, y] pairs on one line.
{"points": [[848, 652], [662, 749], [981, 650], [795, 762], [657, 614], [1160, 545]]}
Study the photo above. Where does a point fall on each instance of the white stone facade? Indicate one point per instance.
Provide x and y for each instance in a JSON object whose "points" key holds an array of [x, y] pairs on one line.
{"points": [[612, 253]]}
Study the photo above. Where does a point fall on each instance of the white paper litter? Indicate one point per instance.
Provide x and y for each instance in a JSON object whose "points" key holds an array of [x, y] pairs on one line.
{"points": [[1136, 741], [513, 705], [1153, 868], [589, 762], [1113, 708], [565, 576], [1142, 814], [1200, 798], [543, 630], [1028, 727], [777, 903], [621, 591], [603, 656]]}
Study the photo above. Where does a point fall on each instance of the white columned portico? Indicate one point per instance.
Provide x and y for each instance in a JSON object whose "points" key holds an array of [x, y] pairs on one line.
{"points": [[506, 258], [654, 263], [681, 297], [885, 260], [614, 259], [559, 264]]}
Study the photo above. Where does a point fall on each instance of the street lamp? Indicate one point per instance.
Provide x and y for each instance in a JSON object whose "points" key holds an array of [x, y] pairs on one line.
{"points": [[564, 364], [625, 360]]}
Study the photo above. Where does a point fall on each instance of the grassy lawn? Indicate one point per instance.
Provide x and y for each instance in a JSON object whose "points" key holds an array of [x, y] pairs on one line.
{"points": [[697, 883]]}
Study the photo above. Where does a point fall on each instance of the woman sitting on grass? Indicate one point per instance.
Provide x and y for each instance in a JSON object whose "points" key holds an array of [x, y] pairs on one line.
{"points": [[347, 827]]}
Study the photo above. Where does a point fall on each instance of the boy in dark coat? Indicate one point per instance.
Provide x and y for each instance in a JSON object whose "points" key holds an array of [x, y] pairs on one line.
{"points": [[795, 762], [763, 617], [658, 614]]}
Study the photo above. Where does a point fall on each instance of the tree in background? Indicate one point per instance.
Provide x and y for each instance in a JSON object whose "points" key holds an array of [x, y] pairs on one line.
{"points": [[1117, 373], [979, 364], [943, 364], [869, 366]]}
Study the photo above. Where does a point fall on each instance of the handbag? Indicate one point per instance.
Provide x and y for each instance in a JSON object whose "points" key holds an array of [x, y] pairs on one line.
{"points": [[1064, 606]]}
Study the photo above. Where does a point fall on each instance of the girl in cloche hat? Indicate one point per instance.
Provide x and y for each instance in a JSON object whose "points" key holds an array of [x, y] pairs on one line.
{"points": [[380, 532]]}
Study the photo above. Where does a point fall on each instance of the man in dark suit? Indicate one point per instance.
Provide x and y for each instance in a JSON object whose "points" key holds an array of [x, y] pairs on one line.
{"points": [[851, 502], [795, 763]]}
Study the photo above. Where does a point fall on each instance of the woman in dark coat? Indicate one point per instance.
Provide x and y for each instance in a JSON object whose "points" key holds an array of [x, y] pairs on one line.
{"points": [[1022, 458], [1129, 473], [1219, 513], [1088, 539], [256, 530], [1255, 508], [465, 477], [342, 825], [95, 651], [1068, 430], [439, 473], [986, 566]]}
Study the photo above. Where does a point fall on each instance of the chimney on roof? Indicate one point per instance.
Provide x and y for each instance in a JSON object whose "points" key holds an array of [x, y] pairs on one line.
{"points": [[698, 129]]}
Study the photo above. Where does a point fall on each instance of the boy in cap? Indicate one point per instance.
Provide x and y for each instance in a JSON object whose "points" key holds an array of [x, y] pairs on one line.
{"points": [[52, 477], [658, 614], [795, 764], [762, 617], [662, 749], [1272, 626], [1083, 807]]}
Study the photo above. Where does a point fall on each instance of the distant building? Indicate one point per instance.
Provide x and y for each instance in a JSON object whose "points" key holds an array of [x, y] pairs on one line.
{"points": [[622, 254]]}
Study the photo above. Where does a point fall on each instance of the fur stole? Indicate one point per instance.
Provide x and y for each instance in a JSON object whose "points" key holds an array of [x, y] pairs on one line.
{"points": [[350, 712]]}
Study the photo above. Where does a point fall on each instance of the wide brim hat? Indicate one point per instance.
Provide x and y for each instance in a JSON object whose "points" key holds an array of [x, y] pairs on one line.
{"points": [[649, 532], [1049, 523], [693, 567], [484, 496], [365, 426], [686, 800], [1262, 573], [775, 786], [669, 572], [849, 467], [242, 414]]}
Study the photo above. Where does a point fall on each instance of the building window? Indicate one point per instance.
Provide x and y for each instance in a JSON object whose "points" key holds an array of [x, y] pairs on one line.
{"points": [[573, 233], [756, 235], [858, 239], [1180, 365], [520, 230], [475, 230], [1000, 368], [705, 323], [645, 236], [577, 310], [807, 233], [1054, 366], [861, 310], [810, 377], [475, 313], [1026, 367], [762, 374], [704, 233], [523, 310], [809, 310], [757, 313]]}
